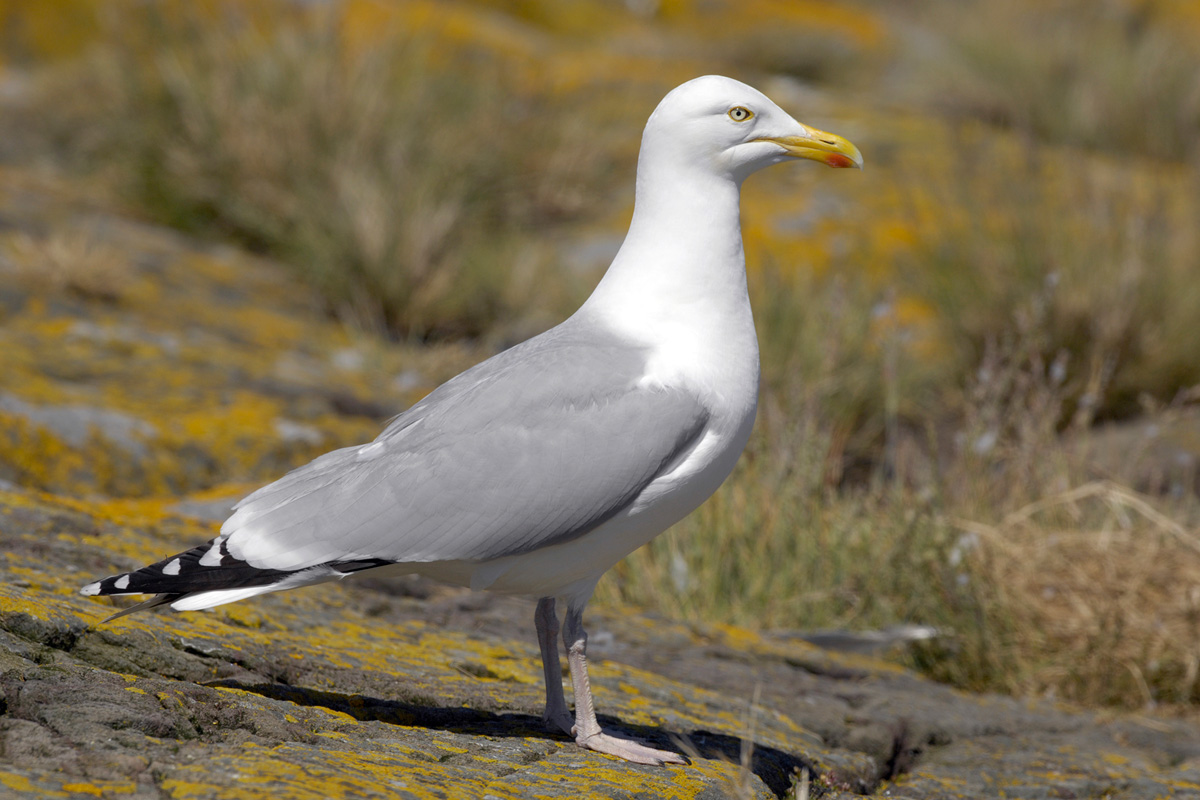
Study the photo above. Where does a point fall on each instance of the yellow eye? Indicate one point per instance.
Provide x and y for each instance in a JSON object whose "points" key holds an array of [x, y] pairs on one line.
{"points": [[740, 114]]}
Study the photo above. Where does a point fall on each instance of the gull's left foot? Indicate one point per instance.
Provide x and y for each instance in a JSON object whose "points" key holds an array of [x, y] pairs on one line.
{"points": [[556, 723], [628, 750]]}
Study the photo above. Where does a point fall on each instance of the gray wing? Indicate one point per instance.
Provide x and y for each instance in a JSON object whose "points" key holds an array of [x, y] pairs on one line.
{"points": [[534, 447]]}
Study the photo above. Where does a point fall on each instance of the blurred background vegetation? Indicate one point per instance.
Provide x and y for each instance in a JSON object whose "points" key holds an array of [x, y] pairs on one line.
{"points": [[980, 369]]}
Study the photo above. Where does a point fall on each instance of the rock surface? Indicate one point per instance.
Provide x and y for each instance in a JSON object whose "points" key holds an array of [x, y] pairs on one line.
{"points": [[405, 689], [129, 406]]}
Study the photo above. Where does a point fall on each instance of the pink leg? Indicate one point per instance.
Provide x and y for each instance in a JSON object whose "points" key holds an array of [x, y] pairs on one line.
{"points": [[587, 729]]}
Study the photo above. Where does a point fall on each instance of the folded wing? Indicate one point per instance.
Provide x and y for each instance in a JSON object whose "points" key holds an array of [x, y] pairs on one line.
{"points": [[534, 447]]}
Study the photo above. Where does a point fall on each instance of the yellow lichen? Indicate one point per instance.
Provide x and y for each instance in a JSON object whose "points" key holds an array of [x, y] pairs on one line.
{"points": [[19, 783]]}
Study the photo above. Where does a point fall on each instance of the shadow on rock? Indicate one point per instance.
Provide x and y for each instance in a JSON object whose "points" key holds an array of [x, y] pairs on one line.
{"points": [[774, 767]]}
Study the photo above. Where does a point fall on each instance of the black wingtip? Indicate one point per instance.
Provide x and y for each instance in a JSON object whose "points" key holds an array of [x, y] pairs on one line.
{"points": [[157, 600], [186, 573], [209, 568]]}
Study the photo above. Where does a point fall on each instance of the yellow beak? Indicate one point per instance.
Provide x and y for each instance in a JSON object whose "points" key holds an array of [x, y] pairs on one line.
{"points": [[828, 148]]}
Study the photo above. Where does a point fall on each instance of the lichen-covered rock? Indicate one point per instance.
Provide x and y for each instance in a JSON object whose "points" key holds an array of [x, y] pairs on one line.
{"points": [[404, 689], [328, 693]]}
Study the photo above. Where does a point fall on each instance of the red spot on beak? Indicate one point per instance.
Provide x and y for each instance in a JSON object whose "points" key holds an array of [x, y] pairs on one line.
{"points": [[838, 160]]}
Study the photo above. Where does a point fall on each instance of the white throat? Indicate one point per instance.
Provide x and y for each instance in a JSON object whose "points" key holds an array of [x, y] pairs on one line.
{"points": [[678, 283]]}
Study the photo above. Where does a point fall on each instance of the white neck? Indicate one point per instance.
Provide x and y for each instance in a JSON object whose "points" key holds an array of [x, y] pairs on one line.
{"points": [[682, 255], [678, 283]]}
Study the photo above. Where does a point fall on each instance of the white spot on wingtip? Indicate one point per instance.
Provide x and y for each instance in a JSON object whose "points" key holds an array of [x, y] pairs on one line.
{"points": [[121, 582], [91, 589], [172, 567], [213, 557]]}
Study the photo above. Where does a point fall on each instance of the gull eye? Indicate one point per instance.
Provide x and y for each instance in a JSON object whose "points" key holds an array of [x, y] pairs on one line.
{"points": [[740, 114]]}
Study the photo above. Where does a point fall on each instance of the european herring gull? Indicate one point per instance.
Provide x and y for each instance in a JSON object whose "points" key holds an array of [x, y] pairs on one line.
{"points": [[537, 470]]}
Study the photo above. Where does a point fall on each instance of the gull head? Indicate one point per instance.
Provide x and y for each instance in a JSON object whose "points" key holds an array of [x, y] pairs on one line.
{"points": [[725, 127]]}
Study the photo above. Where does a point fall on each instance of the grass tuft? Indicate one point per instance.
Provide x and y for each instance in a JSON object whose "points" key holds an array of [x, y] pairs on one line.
{"points": [[1119, 76], [371, 167]]}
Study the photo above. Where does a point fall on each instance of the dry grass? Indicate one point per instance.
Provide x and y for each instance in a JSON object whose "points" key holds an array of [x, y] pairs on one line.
{"points": [[1121, 75], [371, 167], [1101, 591], [1089, 261], [76, 261]]}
